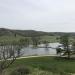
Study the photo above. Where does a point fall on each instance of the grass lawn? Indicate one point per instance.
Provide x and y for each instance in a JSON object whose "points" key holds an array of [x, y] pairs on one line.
{"points": [[58, 66]]}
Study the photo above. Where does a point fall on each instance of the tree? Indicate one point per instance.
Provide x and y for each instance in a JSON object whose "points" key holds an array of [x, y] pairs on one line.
{"points": [[59, 50], [15, 35], [35, 41], [7, 55], [64, 40], [73, 48], [24, 41], [46, 43]]}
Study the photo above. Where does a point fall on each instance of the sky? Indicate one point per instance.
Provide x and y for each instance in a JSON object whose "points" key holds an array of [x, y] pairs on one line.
{"points": [[40, 15]]}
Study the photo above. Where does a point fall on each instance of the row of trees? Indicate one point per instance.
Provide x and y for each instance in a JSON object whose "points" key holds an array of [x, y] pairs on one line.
{"points": [[37, 40]]}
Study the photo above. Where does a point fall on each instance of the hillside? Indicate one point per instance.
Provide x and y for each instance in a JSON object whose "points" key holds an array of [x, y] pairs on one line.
{"points": [[29, 33]]}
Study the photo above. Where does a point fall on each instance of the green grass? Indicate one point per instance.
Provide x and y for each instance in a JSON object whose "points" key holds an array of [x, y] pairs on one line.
{"points": [[50, 64], [50, 38]]}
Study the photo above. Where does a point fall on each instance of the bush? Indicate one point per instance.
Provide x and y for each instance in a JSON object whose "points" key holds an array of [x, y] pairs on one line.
{"points": [[21, 71], [58, 50]]}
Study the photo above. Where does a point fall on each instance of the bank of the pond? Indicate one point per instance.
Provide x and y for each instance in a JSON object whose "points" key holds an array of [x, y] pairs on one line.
{"points": [[35, 56]]}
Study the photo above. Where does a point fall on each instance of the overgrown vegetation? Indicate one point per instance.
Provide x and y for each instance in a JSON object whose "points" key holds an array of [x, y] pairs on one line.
{"points": [[21, 71]]}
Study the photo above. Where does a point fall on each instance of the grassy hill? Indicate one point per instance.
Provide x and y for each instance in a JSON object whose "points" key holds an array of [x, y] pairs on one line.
{"points": [[9, 35], [26, 33], [29, 33]]}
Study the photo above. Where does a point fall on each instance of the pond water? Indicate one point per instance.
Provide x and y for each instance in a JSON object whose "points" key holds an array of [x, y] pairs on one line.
{"points": [[29, 51]]}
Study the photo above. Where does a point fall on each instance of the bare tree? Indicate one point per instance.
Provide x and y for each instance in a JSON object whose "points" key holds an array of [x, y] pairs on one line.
{"points": [[7, 55]]}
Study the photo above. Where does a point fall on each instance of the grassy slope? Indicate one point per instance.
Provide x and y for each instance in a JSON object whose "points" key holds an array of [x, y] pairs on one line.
{"points": [[50, 64], [10, 39], [50, 38], [18, 37]]}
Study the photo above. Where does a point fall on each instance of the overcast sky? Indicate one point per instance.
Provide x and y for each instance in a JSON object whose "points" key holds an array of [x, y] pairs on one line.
{"points": [[41, 15]]}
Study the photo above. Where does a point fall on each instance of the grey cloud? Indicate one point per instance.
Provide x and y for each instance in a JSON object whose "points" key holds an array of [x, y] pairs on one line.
{"points": [[45, 15]]}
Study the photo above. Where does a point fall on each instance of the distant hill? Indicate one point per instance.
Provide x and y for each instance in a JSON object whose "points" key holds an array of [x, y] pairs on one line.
{"points": [[29, 33]]}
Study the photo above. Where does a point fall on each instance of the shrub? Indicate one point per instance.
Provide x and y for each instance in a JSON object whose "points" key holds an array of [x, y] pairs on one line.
{"points": [[21, 71]]}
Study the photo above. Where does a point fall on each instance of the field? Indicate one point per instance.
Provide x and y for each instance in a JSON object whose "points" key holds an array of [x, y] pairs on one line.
{"points": [[47, 65], [18, 37], [50, 38], [10, 39]]}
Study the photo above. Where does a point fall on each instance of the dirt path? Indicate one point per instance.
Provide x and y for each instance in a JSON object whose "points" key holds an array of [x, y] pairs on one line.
{"points": [[34, 56]]}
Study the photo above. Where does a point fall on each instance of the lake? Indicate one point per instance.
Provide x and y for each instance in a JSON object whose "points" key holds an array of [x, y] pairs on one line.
{"points": [[30, 51]]}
